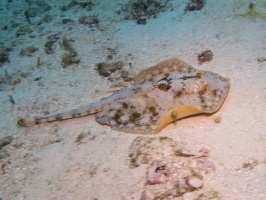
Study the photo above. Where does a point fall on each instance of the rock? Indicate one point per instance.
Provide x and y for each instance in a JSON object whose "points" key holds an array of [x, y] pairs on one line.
{"points": [[157, 172], [218, 119], [195, 182], [104, 69], [144, 149], [205, 56], [202, 166], [168, 175]]}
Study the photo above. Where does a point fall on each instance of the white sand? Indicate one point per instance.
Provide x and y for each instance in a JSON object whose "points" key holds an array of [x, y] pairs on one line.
{"points": [[98, 168]]}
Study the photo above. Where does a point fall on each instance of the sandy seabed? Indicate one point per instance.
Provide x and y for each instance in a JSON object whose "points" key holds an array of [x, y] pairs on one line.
{"points": [[47, 162]]}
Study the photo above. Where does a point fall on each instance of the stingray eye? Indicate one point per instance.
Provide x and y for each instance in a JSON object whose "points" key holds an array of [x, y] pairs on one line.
{"points": [[199, 86]]}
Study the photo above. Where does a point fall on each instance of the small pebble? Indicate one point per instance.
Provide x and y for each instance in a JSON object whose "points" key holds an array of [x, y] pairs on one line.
{"points": [[218, 119], [60, 139], [205, 56], [195, 182]]}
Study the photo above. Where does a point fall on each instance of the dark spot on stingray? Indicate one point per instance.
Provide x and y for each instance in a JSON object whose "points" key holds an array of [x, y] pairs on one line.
{"points": [[164, 87], [214, 93], [118, 115], [134, 117], [202, 98], [203, 90], [199, 74], [152, 109], [178, 94]]}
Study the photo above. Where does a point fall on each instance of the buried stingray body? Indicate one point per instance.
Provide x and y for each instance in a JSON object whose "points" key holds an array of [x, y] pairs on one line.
{"points": [[160, 95]]}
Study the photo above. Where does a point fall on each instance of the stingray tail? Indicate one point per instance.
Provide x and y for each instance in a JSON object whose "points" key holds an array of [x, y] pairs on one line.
{"points": [[75, 113]]}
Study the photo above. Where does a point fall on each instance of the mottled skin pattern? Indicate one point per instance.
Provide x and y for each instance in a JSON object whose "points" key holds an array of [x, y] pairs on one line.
{"points": [[161, 94]]}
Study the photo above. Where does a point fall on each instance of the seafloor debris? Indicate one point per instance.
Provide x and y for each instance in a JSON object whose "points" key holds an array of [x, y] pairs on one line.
{"points": [[250, 9], [28, 51], [206, 55], [261, 59], [195, 5], [105, 69], [49, 45], [168, 174], [71, 57], [202, 165], [7, 81], [37, 7], [250, 164], [5, 141], [46, 19], [113, 71], [23, 30], [89, 20], [81, 136], [84, 3], [157, 172], [67, 20], [143, 149], [211, 195], [137, 9], [3, 55], [142, 20], [68, 4]]}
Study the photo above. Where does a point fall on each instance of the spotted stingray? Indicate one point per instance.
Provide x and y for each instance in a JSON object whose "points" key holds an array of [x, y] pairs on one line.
{"points": [[160, 95]]}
